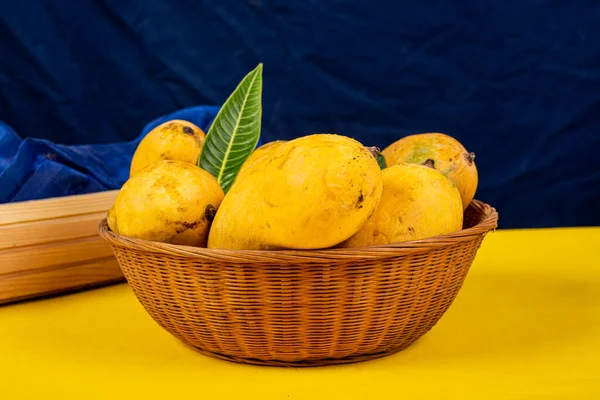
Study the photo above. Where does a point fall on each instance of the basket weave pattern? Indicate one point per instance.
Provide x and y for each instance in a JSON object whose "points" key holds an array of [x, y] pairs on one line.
{"points": [[302, 307]]}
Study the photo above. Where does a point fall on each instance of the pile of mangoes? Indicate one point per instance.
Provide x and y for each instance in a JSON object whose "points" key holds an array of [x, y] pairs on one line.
{"points": [[317, 191]]}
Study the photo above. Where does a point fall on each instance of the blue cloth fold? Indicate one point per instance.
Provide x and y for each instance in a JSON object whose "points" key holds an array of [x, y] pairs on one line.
{"points": [[32, 169]]}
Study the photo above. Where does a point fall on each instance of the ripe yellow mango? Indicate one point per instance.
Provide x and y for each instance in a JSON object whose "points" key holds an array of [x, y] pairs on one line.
{"points": [[442, 152], [258, 156], [173, 140], [417, 202], [111, 220], [168, 201], [312, 192]]}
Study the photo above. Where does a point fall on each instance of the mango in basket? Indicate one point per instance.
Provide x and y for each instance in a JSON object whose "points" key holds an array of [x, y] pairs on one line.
{"points": [[258, 157], [173, 140], [312, 192], [442, 152], [167, 201], [417, 202], [111, 220]]}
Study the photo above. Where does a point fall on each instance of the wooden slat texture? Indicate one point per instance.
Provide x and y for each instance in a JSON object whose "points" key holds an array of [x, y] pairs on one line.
{"points": [[17, 287], [52, 246], [49, 255], [37, 210], [50, 230]]}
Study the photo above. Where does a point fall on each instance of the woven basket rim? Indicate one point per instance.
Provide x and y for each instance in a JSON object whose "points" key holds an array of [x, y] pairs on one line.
{"points": [[489, 222]]}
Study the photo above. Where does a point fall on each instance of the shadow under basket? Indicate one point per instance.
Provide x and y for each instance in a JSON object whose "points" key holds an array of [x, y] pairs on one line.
{"points": [[302, 308]]}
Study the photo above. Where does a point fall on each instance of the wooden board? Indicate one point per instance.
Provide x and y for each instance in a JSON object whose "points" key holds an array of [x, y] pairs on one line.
{"points": [[65, 279], [48, 231], [51, 246], [57, 207]]}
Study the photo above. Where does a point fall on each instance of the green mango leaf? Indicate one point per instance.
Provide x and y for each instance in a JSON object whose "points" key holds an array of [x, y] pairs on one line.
{"points": [[234, 133], [381, 162]]}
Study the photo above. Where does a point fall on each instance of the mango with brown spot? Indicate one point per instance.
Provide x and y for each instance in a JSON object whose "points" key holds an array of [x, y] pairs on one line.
{"points": [[417, 202], [173, 140], [309, 193], [167, 201], [442, 152]]}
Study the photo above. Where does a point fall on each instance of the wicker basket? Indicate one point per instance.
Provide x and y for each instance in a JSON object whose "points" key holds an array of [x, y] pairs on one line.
{"points": [[302, 308]]}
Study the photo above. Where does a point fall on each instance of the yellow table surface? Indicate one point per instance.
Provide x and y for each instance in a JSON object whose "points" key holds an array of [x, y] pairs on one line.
{"points": [[526, 325]]}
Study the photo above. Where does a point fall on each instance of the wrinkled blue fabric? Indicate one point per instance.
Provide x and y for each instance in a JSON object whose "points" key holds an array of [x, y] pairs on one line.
{"points": [[518, 82], [33, 169]]}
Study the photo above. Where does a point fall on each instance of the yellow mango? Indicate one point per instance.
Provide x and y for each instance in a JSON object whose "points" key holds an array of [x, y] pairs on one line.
{"points": [[258, 156], [111, 220], [442, 152], [313, 192], [173, 140], [417, 202], [168, 201]]}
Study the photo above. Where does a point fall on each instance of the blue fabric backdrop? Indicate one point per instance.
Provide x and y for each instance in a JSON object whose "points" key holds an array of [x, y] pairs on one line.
{"points": [[518, 82]]}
